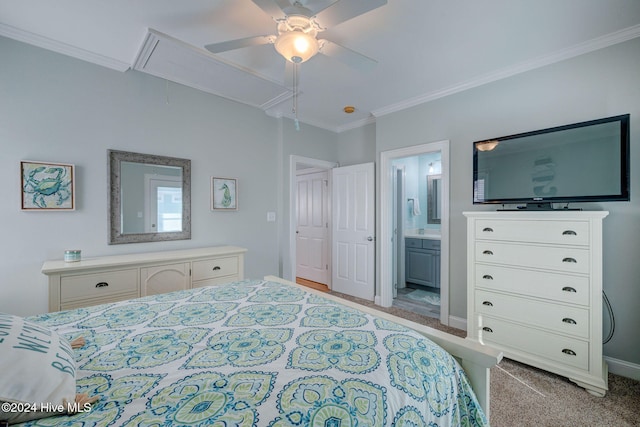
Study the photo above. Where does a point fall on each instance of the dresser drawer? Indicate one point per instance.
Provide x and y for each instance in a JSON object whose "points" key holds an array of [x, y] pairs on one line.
{"points": [[552, 286], [538, 231], [216, 267], [523, 339], [559, 318], [571, 260], [98, 285]]}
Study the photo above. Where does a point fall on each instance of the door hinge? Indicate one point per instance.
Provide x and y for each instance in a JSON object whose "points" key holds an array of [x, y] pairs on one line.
{"points": [[326, 266]]}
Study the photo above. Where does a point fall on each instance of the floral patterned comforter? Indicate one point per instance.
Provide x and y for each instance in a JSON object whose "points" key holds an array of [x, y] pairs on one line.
{"points": [[258, 353]]}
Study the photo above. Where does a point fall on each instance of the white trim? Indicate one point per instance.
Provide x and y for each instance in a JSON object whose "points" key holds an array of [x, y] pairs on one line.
{"points": [[384, 271], [522, 67], [293, 199], [458, 322], [62, 48], [623, 368]]}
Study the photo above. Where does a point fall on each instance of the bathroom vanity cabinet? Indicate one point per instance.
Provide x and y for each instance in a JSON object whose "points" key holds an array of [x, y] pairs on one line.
{"points": [[422, 261]]}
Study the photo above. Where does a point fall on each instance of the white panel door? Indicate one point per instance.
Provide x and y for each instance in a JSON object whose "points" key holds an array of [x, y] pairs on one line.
{"points": [[353, 255], [312, 232]]}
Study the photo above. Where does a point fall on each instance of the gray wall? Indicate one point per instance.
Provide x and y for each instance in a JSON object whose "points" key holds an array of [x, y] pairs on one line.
{"points": [[55, 108], [600, 84]]}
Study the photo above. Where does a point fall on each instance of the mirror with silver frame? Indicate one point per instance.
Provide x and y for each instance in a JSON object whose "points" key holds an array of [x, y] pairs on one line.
{"points": [[149, 198], [434, 190]]}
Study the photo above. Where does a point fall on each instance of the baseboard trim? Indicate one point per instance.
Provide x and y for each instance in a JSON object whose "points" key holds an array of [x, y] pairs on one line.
{"points": [[458, 322], [623, 368]]}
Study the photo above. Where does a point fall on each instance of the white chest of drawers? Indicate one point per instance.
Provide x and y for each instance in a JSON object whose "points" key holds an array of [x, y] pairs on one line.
{"points": [[534, 290], [115, 278]]}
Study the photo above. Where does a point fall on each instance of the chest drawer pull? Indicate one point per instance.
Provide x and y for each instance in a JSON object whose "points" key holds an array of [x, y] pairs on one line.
{"points": [[487, 329], [569, 259], [487, 230], [487, 303], [569, 352], [487, 252], [569, 233], [569, 320], [569, 289], [216, 268], [487, 277], [102, 285]]}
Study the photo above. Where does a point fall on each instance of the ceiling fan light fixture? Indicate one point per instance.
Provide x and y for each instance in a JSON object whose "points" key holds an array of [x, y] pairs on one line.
{"points": [[296, 39], [296, 46]]}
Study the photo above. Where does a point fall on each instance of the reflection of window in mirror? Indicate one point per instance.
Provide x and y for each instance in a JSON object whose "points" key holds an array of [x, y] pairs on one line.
{"points": [[434, 198], [165, 204]]}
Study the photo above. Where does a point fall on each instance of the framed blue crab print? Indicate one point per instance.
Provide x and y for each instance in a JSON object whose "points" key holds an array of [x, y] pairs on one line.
{"points": [[47, 186], [224, 194]]}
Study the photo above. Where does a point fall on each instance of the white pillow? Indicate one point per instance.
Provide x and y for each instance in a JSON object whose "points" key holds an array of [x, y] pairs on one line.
{"points": [[38, 370]]}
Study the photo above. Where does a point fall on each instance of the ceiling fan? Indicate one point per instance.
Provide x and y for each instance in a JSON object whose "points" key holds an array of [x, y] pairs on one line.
{"points": [[298, 28]]}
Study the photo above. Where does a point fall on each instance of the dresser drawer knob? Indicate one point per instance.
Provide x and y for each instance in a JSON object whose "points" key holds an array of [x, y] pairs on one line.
{"points": [[216, 268], [487, 277], [487, 303], [569, 233], [569, 289], [487, 329], [487, 230], [569, 260], [569, 321], [102, 285], [569, 352], [487, 252]]}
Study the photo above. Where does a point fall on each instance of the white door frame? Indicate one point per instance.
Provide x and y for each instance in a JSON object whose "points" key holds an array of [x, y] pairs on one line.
{"points": [[385, 225], [294, 161]]}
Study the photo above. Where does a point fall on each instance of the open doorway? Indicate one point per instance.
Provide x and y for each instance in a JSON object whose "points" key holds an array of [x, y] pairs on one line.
{"points": [[310, 221], [424, 231]]}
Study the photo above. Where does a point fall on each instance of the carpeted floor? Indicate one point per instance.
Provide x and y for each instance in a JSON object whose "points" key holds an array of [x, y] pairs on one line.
{"points": [[523, 396]]}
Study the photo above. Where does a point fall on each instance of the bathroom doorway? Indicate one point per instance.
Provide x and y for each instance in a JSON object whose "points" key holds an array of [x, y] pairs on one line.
{"points": [[408, 203], [416, 234]]}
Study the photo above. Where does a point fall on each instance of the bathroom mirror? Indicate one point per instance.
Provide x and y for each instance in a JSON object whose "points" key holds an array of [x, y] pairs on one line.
{"points": [[149, 198], [434, 190]]}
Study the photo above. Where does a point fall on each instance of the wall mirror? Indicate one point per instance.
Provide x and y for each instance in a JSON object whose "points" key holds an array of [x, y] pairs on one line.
{"points": [[434, 196], [149, 198]]}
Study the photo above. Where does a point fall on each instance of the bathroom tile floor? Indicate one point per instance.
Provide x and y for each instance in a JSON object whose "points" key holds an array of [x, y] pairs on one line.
{"points": [[417, 304]]}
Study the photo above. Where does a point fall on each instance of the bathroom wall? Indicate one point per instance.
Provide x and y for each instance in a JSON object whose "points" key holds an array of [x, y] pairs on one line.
{"points": [[415, 187]]}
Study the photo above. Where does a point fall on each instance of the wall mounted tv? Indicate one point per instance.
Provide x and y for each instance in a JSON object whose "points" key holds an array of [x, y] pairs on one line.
{"points": [[581, 162]]}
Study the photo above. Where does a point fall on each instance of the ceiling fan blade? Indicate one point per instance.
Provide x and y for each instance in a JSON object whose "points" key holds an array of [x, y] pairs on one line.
{"points": [[239, 43], [343, 10], [347, 56], [274, 8]]}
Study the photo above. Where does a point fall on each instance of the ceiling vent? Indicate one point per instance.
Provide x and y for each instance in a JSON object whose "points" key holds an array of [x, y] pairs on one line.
{"points": [[171, 59]]}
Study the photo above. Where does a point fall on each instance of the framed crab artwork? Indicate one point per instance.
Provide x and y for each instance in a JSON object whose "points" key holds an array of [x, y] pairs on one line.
{"points": [[47, 186], [224, 194]]}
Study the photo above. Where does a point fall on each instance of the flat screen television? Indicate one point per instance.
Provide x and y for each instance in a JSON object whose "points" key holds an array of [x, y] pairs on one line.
{"points": [[581, 162]]}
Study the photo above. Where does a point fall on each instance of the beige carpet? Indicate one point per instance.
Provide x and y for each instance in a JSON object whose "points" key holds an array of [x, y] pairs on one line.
{"points": [[523, 396]]}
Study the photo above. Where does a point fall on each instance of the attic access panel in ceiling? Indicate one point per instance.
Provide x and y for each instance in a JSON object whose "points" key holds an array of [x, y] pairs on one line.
{"points": [[163, 56]]}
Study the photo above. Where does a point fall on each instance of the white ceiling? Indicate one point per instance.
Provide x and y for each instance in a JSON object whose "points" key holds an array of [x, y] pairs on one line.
{"points": [[425, 49]]}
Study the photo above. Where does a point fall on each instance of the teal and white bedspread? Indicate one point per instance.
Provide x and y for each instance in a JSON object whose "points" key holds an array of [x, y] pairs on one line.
{"points": [[258, 353]]}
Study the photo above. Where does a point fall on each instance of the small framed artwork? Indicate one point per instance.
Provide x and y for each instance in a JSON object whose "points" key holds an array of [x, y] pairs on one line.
{"points": [[47, 186], [224, 194]]}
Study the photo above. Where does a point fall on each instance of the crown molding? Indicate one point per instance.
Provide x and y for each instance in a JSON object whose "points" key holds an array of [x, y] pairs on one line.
{"points": [[62, 48], [356, 124], [522, 67]]}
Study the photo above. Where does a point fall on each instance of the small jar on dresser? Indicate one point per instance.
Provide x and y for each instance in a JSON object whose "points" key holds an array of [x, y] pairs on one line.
{"points": [[534, 290]]}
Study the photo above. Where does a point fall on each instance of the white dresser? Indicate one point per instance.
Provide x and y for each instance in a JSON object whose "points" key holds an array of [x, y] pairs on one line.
{"points": [[535, 290], [115, 278]]}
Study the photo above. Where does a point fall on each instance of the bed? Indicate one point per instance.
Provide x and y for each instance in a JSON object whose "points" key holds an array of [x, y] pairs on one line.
{"points": [[267, 353]]}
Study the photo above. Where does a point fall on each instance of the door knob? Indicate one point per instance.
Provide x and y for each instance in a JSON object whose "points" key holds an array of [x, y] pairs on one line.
{"points": [[370, 238]]}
